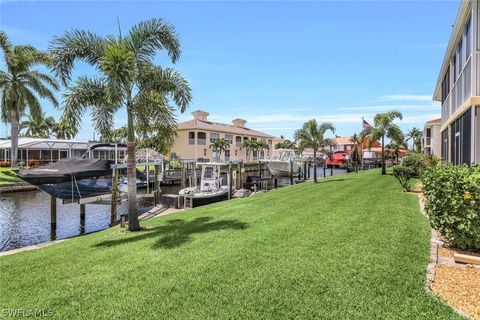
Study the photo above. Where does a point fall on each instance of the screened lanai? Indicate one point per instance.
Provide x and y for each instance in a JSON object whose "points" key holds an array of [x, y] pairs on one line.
{"points": [[52, 150]]}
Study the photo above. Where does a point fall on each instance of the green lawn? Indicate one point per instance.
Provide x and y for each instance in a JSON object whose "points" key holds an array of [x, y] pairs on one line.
{"points": [[7, 176], [349, 247]]}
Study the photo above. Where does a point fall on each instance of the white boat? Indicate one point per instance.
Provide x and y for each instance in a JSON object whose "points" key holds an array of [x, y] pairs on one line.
{"points": [[210, 189], [279, 163]]}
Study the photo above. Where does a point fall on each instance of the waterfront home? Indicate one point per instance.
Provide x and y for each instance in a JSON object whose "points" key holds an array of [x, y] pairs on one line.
{"points": [[458, 89], [432, 139], [43, 151], [195, 136]]}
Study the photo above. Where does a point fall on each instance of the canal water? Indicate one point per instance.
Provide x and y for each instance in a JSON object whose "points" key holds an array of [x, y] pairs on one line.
{"points": [[25, 216]]}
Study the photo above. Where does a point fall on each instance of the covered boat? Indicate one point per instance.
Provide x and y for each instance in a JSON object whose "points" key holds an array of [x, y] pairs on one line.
{"points": [[72, 178]]}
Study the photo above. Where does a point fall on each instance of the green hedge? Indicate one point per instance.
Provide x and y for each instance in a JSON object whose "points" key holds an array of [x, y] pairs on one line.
{"points": [[453, 203], [419, 162]]}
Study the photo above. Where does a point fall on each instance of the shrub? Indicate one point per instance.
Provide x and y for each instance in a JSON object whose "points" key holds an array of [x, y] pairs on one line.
{"points": [[403, 175], [32, 163], [453, 203], [4, 164], [21, 165], [418, 162]]}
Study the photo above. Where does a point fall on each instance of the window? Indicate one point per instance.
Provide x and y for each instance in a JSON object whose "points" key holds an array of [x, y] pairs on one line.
{"points": [[455, 68], [468, 39], [204, 152], [349, 148], [173, 156], [201, 138], [238, 141], [446, 85], [191, 138], [214, 136], [255, 154], [460, 139], [445, 145], [229, 138], [459, 57], [227, 155]]}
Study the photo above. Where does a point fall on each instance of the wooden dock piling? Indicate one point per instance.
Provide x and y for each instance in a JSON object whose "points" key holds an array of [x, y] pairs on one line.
{"points": [[113, 209], [53, 218], [82, 218], [291, 171]]}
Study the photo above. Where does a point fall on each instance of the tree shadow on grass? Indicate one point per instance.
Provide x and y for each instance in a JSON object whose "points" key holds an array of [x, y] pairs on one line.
{"points": [[176, 232]]}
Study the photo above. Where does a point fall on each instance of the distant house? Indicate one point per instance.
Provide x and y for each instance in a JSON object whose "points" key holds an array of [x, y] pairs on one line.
{"points": [[458, 88], [45, 151], [195, 136], [432, 138]]}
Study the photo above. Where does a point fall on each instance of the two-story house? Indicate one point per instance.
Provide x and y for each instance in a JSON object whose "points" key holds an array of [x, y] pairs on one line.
{"points": [[458, 89], [432, 138], [195, 136]]}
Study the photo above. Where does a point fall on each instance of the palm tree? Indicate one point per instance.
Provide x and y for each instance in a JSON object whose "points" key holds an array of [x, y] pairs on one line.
{"points": [[262, 145], [286, 144], [218, 146], [21, 86], [249, 146], [416, 136], [39, 126], [128, 78], [395, 146], [355, 153], [312, 135], [384, 127], [64, 130]]}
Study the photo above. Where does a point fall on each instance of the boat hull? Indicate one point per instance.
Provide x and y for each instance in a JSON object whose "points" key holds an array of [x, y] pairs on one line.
{"points": [[204, 198], [282, 168], [80, 189]]}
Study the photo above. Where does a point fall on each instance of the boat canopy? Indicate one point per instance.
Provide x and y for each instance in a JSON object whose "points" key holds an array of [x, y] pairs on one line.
{"points": [[66, 169]]}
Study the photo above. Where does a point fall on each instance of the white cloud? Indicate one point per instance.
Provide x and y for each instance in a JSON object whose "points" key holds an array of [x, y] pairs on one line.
{"points": [[407, 97], [399, 107]]}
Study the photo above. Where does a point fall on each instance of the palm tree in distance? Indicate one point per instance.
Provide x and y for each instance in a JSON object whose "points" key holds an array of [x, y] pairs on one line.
{"points": [[128, 78], [312, 135], [38, 126], [355, 153], [416, 136], [249, 146], [384, 128], [21, 86], [218, 146]]}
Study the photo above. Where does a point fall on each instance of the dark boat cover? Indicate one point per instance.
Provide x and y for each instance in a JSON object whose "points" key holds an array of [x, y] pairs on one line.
{"points": [[65, 169]]}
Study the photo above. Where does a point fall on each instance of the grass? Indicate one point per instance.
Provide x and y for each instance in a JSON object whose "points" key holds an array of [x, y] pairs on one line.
{"points": [[349, 247], [7, 176]]}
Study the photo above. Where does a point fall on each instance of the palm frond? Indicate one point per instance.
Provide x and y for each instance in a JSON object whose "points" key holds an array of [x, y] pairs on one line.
{"points": [[150, 36], [168, 81], [74, 45]]}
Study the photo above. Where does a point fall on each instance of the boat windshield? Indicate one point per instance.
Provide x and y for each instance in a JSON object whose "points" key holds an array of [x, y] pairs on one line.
{"points": [[208, 173]]}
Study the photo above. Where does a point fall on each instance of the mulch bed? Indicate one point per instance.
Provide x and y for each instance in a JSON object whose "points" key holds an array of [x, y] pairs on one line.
{"points": [[458, 287]]}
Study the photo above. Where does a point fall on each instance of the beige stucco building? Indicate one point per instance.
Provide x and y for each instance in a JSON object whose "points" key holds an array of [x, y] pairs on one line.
{"points": [[194, 138], [432, 138]]}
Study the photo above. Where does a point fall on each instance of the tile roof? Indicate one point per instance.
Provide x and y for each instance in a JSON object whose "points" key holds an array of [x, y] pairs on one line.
{"points": [[220, 127], [343, 140], [438, 120]]}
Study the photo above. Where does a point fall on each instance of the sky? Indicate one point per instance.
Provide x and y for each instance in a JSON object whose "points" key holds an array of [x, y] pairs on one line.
{"points": [[275, 64]]}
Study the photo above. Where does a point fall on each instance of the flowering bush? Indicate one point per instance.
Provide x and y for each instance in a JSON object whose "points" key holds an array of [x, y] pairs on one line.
{"points": [[453, 203], [4, 164], [32, 163]]}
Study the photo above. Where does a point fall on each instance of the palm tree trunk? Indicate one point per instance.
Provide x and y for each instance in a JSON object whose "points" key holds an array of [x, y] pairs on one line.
{"points": [[14, 138], [384, 169], [133, 224], [314, 165]]}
